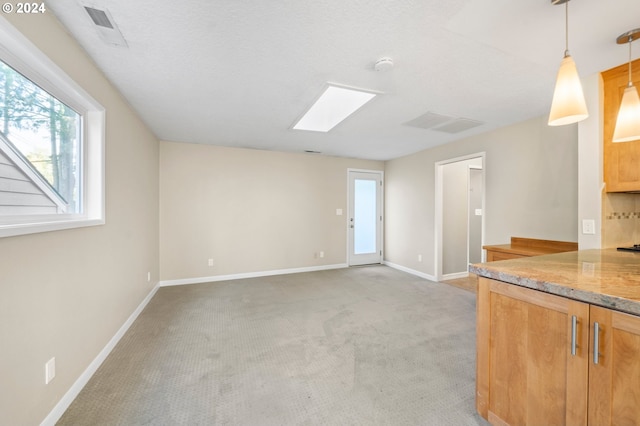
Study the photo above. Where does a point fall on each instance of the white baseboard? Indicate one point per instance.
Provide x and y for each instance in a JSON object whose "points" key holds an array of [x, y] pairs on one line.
{"points": [[213, 278], [455, 275], [80, 383], [410, 271]]}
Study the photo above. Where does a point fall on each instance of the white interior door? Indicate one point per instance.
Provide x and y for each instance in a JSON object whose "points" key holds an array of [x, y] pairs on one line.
{"points": [[365, 217]]}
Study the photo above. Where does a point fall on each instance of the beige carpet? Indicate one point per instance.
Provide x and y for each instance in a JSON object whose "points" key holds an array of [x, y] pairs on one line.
{"points": [[356, 346]]}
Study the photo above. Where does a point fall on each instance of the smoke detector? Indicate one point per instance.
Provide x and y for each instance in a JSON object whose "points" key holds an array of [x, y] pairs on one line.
{"points": [[383, 64]]}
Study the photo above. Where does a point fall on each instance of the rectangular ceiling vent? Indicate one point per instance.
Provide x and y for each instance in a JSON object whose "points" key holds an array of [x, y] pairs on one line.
{"points": [[443, 123], [428, 120], [458, 125], [99, 17], [106, 27]]}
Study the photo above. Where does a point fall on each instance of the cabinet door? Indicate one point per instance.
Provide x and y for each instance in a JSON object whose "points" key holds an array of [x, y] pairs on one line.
{"points": [[621, 171], [526, 373], [614, 382]]}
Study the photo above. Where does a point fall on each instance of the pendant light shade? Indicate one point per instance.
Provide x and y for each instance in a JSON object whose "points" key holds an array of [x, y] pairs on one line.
{"points": [[628, 121], [568, 105]]}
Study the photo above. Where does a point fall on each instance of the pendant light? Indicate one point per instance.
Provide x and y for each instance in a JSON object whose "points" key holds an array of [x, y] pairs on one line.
{"points": [[628, 121], [568, 105]]}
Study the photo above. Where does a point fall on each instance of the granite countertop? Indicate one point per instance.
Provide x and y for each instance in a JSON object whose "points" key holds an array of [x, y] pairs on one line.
{"points": [[606, 277]]}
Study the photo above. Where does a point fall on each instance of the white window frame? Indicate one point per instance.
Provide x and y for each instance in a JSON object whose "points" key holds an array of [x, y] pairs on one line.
{"points": [[18, 52]]}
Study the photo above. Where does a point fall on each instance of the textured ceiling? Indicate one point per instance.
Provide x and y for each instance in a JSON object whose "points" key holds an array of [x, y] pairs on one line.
{"points": [[239, 73]]}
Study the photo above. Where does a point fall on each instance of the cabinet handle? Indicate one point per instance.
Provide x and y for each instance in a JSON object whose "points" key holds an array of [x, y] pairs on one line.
{"points": [[574, 326], [596, 342]]}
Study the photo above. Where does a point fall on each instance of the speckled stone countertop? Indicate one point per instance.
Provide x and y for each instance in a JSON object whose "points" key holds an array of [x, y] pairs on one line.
{"points": [[607, 277]]}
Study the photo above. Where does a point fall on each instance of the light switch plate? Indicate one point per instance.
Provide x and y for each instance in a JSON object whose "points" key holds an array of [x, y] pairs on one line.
{"points": [[338, 212], [49, 371]]}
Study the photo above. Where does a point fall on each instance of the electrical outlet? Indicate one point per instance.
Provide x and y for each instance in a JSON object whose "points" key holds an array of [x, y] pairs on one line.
{"points": [[321, 254], [210, 262], [49, 371], [588, 226], [419, 258], [148, 277]]}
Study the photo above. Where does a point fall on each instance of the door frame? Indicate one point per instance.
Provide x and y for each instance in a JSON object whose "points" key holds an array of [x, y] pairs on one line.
{"points": [[380, 173], [439, 184]]}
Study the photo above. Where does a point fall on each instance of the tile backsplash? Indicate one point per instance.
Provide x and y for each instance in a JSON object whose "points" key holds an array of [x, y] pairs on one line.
{"points": [[620, 219]]}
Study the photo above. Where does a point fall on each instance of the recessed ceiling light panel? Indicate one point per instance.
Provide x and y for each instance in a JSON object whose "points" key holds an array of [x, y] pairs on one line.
{"points": [[332, 107]]}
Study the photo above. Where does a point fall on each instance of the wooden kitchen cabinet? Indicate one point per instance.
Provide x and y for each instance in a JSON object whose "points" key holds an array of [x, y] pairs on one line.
{"points": [[528, 373], [621, 160], [614, 382]]}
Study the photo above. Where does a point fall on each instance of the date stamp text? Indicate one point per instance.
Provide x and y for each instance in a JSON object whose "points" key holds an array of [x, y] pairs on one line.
{"points": [[24, 8]]}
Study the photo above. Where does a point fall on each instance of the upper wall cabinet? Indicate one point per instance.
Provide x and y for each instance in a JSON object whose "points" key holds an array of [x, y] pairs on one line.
{"points": [[621, 160]]}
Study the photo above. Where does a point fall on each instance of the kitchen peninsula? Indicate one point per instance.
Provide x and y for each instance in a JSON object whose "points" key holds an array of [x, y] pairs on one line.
{"points": [[558, 339]]}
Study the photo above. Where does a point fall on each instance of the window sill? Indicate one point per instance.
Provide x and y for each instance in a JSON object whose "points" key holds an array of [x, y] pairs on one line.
{"points": [[12, 230]]}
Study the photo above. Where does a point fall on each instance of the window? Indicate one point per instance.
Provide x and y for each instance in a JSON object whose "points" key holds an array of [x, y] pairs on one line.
{"points": [[51, 144], [40, 149]]}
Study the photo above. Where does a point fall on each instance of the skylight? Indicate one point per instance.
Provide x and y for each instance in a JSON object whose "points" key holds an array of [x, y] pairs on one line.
{"points": [[333, 106]]}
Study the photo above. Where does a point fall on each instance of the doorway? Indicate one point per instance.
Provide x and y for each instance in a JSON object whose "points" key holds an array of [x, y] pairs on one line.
{"points": [[459, 225], [474, 214], [365, 217]]}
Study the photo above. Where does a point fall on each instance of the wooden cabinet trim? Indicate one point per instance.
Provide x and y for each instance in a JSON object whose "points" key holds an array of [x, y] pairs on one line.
{"points": [[625, 322], [546, 300]]}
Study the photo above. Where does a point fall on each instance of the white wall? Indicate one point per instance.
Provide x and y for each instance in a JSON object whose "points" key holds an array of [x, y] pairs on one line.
{"points": [[250, 211], [531, 176], [590, 160], [65, 294]]}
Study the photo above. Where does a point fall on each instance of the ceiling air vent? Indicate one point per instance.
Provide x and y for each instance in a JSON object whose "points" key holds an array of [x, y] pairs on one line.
{"points": [[458, 125], [429, 120], [443, 123], [106, 27], [99, 17]]}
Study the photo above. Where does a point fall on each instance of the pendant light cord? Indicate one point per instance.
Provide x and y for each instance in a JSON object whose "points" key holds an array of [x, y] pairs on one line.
{"points": [[566, 28], [630, 43]]}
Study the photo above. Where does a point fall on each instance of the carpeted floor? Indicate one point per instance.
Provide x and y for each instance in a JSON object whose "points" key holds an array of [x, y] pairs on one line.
{"points": [[355, 346]]}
